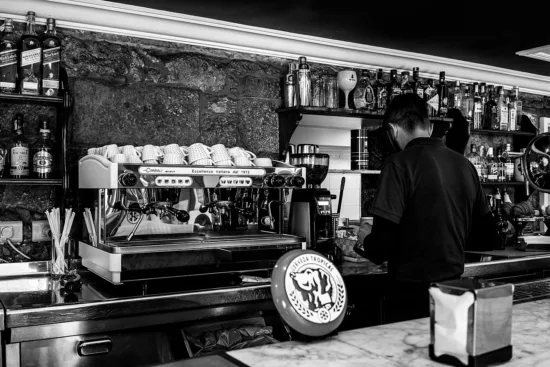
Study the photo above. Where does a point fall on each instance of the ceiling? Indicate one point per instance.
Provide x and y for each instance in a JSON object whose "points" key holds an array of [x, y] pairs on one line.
{"points": [[487, 34]]}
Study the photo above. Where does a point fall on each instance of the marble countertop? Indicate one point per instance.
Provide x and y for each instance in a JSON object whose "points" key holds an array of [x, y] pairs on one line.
{"points": [[401, 344]]}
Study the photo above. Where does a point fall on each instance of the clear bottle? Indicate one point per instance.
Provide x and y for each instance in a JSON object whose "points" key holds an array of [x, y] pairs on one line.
{"points": [[304, 83], [42, 153], [509, 164], [31, 59], [492, 166], [394, 88], [483, 161], [380, 92], [363, 95], [502, 109], [8, 59], [505, 196], [51, 59], [512, 112], [467, 105], [519, 108], [484, 97], [3, 158], [475, 159], [501, 166], [478, 108], [455, 96], [406, 87], [19, 151], [443, 92], [490, 115], [417, 86], [432, 98]]}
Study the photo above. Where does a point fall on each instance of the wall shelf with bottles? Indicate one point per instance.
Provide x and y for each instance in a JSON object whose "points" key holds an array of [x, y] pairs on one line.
{"points": [[31, 181], [509, 183], [502, 132], [22, 98]]}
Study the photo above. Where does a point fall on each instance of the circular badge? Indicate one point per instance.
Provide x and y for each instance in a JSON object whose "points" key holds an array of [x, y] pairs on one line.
{"points": [[309, 292], [133, 217]]}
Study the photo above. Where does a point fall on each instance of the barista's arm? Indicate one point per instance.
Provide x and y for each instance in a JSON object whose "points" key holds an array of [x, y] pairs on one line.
{"points": [[483, 235], [375, 242]]}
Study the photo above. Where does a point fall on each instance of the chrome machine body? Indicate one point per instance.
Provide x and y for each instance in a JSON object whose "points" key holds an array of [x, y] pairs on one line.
{"points": [[166, 221]]}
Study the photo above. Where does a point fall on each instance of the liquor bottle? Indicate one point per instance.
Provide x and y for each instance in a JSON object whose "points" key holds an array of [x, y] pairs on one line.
{"points": [[443, 92], [416, 84], [394, 88], [363, 95], [19, 151], [478, 108], [519, 108], [3, 158], [490, 115], [512, 112], [484, 166], [432, 98], [492, 166], [380, 92], [51, 58], [502, 109], [501, 175], [42, 153], [304, 83], [484, 98], [8, 59], [31, 59], [474, 158], [509, 163], [455, 96], [467, 106], [506, 197], [406, 87]]}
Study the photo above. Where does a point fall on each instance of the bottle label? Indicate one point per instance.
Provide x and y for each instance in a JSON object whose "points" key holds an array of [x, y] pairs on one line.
{"points": [[509, 169], [434, 102], [50, 84], [30, 85], [420, 93], [42, 162], [478, 169], [7, 85], [8, 57], [30, 57], [477, 107], [19, 161], [504, 118], [51, 55], [493, 173], [513, 116]]}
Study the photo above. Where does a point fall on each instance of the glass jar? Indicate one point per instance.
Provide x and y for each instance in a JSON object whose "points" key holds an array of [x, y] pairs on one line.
{"points": [[332, 97], [317, 91]]}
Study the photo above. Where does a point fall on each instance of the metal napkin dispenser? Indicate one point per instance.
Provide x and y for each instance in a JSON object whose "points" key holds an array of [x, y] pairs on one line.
{"points": [[471, 322]]}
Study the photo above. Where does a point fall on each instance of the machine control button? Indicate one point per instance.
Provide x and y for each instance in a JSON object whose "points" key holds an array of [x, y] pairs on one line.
{"points": [[227, 181], [295, 181], [128, 179], [173, 181], [277, 181]]}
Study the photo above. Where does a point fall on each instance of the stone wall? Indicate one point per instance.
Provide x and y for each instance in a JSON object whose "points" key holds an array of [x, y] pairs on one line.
{"points": [[135, 91]]}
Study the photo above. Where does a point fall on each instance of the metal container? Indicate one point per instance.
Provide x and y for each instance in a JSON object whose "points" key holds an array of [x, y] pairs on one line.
{"points": [[307, 148], [359, 149], [471, 321], [304, 83]]}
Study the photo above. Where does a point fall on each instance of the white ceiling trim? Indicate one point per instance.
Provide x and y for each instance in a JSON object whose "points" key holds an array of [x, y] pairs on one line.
{"points": [[109, 17]]}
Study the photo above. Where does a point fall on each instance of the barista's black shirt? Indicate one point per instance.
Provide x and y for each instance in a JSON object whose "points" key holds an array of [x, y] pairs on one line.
{"points": [[434, 195]]}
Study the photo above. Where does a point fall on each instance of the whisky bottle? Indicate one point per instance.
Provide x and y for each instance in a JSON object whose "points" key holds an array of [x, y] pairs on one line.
{"points": [[443, 92], [406, 87], [416, 84], [380, 92], [51, 58], [394, 89], [478, 108], [467, 106], [509, 165], [502, 109], [42, 153], [8, 59], [31, 59], [432, 98], [19, 151], [363, 95]]}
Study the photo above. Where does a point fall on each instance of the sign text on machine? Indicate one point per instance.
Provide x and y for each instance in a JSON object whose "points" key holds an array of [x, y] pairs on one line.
{"points": [[206, 171]]}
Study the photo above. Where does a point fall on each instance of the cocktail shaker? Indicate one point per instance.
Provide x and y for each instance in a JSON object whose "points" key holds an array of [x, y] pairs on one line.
{"points": [[304, 83]]}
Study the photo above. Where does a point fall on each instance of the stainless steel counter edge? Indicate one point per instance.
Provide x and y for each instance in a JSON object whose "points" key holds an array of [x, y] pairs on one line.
{"points": [[122, 307]]}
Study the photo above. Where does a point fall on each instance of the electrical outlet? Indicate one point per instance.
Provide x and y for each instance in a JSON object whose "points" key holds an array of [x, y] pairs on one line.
{"points": [[40, 229], [12, 230]]}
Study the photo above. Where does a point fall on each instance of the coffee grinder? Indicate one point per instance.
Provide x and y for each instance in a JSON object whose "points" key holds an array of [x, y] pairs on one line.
{"points": [[310, 213]]}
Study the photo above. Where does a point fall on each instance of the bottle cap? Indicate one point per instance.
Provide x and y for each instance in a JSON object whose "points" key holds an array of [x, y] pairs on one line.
{"points": [[31, 13], [302, 59], [405, 73], [50, 21], [416, 69]]}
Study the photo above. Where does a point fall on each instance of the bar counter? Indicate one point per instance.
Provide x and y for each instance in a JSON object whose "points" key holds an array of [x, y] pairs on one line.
{"points": [[401, 344]]}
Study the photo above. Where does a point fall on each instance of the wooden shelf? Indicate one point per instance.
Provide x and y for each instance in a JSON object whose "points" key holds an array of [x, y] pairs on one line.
{"points": [[505, 183], [25, 98], [31, 181], [501, 132]]}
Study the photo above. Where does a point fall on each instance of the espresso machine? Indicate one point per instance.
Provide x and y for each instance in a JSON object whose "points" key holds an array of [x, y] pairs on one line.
{"points": [[310, 214], [172, 221]]}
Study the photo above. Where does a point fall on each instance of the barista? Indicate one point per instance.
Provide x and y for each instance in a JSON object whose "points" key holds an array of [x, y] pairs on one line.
{"points": [[429, 206]]}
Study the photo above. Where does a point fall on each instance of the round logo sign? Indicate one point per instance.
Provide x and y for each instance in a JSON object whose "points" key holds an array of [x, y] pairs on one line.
{"points": [[309, 292]]}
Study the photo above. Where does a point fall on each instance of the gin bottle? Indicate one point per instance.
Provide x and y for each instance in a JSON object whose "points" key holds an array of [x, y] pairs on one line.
{"points": [[443, 92], [467, 106], [478, 108], [502, 110]]}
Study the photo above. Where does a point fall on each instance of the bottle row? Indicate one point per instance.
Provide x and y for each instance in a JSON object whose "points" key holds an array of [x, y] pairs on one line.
{"points": [[30, 65], [491, 168], [18, 158], [484, 106]]}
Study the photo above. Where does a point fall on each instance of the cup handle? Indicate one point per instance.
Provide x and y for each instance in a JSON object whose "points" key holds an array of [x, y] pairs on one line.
{"points": [[252, 155], [184, 151], [138, 153], [252, 163], [159, 152]]}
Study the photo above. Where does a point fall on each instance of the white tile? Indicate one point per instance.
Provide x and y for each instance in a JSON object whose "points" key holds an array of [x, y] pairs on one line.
{"points": [[353, 181], [352, 197], [350, 211], [335, 179]]}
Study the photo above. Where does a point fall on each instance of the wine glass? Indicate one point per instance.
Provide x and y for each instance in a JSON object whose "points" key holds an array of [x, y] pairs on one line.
{"points": [[347, 80]]}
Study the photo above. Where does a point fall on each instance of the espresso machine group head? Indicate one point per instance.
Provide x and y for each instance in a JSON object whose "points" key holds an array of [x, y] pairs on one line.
{"points": [[310, 213]]}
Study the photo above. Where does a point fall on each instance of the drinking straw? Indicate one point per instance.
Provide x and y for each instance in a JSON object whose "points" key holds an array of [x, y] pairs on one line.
{"points": [[16, 250]]}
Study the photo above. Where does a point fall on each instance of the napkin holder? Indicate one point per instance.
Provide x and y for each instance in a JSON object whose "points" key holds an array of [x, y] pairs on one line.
{"points": [[471, 322]]}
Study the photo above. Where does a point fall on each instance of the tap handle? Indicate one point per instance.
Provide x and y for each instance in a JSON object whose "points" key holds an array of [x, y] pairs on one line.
{"points": [[182, 216]]}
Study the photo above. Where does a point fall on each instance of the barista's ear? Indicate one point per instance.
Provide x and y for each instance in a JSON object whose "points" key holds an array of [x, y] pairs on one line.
{"points": [[431, 128]]}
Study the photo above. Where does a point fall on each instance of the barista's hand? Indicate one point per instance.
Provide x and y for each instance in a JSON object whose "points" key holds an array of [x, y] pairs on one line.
{"points": [[364, 231]]}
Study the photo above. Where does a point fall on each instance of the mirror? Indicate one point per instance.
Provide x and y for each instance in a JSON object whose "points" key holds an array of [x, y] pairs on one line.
{"points": [[536, 162]]}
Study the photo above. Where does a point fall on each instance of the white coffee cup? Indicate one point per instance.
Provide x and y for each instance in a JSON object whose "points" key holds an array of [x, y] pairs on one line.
{"points": [[110, 150], [94, 151], [129, 150], [151, 161], [240, 152], [173, 158], [224, 162], [133, 159], [263, 162], [242, 161], [198, 151], [118, 158], [150, 152], [174, 149], [203, 162]]}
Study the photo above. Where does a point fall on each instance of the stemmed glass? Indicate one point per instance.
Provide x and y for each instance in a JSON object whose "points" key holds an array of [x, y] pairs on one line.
{"points": [[347, 80]]}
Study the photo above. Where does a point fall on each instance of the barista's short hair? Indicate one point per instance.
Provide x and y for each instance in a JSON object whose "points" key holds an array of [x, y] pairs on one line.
{"points": [[408, 111]]}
